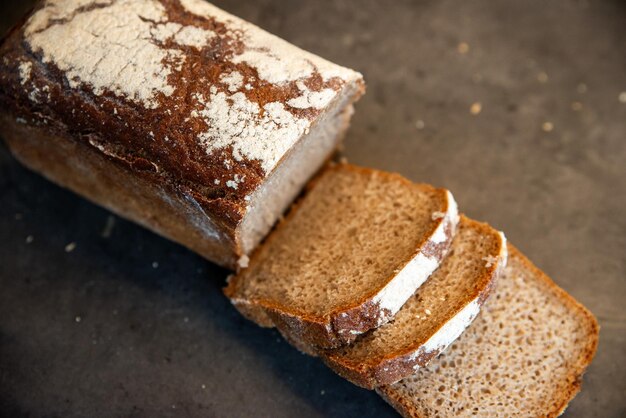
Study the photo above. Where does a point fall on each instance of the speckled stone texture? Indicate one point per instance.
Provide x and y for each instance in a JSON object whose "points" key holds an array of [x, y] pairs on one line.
{"points": [[128, 324]]}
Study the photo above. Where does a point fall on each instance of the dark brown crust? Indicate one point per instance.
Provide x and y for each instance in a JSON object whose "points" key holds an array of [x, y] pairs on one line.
{"points": [[172, 149], [364, 314], [554, 407], [394, 367], [399, 403], [299, 345], [133, 194], [255, 314]]}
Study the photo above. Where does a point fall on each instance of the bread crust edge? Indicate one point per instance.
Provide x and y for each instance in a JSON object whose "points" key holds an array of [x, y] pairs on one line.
{"points": [[393, 368], [343, 325]]}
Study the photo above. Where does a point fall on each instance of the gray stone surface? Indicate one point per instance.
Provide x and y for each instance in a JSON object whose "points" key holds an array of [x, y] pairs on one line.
{"points": [[133, 325]]}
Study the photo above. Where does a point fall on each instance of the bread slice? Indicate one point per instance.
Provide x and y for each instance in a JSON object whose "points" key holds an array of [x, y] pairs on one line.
{"points": [[347, 257], [524, 355], [433, 317]]}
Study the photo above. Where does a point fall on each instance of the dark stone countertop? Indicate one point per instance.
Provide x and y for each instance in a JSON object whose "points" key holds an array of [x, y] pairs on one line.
{"points": [[134, 325]]}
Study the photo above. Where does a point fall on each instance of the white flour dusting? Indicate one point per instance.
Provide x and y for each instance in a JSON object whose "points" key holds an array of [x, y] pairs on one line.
{"points": [[25, 70], [233, 80], [193, 36], [312, 99], [118, 47], [107, 48], [276, 60], [251, 133]]}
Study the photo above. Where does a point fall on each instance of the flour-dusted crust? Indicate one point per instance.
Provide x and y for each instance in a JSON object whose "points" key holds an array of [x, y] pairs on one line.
{"points": [[206, 101], [551, 403], [345, 325], [402, 363], [132, 195]]}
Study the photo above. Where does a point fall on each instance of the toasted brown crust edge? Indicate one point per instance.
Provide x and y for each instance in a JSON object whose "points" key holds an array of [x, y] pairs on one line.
{"points": [[322, 332], [557, 407], [394, 367]]}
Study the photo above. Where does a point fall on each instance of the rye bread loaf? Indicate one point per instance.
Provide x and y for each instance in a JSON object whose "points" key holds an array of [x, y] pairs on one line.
{"points": [[171, 113], [523, 356], [433, 317], [347, 256]]}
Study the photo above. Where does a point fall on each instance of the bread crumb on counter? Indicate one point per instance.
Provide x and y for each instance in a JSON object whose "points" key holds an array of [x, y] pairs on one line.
{"points": [[542, 77], [243, 261], [108, 227], [547, 126]]}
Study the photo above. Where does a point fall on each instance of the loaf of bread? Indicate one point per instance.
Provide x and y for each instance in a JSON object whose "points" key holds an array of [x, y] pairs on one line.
{"points": [[171, 113]]}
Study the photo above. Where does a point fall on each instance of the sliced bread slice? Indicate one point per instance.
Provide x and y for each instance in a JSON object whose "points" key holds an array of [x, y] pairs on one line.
{"points": [[523, 356], [433, 317], [347, 257]]}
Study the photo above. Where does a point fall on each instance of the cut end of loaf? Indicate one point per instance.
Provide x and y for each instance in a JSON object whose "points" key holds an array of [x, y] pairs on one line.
{"points": [[433, 317], [523, 356], [348, 255], [271, 199]]}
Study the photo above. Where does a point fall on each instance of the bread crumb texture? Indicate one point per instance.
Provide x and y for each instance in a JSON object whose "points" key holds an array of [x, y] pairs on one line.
{"points": [[359, 228], [350, 253], [523, 356], [433, 317], [244, 92]]}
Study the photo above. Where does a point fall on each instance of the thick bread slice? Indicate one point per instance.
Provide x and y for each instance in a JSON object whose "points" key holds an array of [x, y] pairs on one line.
{"points": [[433, 318], [347, 257], [524, 355]]}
